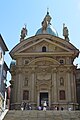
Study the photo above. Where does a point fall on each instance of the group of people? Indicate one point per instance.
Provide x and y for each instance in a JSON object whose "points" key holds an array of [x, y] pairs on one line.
{"points": [[25, 106], [28, 106], [44, 107], [57, 108], [62, 108]]}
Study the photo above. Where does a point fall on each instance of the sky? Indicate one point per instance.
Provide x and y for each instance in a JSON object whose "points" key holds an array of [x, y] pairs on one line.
{"points": [[15, 13]]}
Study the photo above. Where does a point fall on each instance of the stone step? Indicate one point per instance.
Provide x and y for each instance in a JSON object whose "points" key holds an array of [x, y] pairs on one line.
{"points": [[42, 115]]}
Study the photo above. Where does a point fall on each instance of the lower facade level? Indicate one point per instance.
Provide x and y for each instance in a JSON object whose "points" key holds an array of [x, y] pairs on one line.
{"points": [[42, 97]]}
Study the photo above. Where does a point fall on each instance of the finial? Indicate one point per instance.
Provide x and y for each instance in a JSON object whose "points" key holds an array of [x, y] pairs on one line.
{"points": [[47, 11], [25, 25], [48, 17], [63, 25], [23, 33]]}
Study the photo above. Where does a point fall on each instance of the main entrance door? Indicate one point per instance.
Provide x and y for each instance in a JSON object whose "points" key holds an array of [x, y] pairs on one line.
{"points": [[43, 97]]}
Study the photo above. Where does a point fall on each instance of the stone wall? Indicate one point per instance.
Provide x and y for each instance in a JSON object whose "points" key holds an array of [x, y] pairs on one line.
{"points": [[42, 115]]}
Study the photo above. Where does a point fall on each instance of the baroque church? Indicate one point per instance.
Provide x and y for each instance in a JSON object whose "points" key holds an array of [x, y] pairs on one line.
{"points": [[44, 69]]}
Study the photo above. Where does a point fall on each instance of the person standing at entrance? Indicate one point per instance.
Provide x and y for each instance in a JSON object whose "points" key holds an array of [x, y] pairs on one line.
{"points": [[44, 106]]}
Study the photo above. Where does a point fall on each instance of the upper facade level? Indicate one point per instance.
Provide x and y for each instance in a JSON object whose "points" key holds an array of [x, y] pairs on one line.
{"points": [[45, 42]]}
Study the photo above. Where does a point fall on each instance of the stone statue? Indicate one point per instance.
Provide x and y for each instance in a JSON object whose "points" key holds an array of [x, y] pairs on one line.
{"points": [[23, 32], [44, 24], [65, 32]]}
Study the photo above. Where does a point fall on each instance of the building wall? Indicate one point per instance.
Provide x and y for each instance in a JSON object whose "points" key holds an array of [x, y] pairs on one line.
{"points": [[44, 74], [1, 77], [3, 73], [1, 66]]}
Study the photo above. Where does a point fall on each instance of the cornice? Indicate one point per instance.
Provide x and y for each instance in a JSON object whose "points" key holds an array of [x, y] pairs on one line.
{"points": [[47, 54], [44, 53]]}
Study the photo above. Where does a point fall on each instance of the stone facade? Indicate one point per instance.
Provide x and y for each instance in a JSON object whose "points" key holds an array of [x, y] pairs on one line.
{"points": [[44, 71]]}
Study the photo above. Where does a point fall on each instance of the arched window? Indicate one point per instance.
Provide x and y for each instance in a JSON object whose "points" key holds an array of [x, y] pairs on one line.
{"points": [[62, 94], [43, 49]]}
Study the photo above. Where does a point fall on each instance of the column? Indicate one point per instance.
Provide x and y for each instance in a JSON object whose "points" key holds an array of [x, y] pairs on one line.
{"points": [[68, 85], [15, 86], [72, 87], [19, 84], [54, 85], [74, 84], [33, 87], [49, 97], [38, 98]]}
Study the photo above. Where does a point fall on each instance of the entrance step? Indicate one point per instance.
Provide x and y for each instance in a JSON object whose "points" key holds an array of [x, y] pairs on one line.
{"points": [[42, 115]]}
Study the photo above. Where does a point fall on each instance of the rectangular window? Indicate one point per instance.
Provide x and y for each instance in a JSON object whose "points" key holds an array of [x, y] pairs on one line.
{"points": [[25, 95], [43, 49], [62, 94], [61, 61]]}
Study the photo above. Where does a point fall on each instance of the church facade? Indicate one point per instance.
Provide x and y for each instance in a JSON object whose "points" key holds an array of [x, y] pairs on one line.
{"points": [[44, 69]]}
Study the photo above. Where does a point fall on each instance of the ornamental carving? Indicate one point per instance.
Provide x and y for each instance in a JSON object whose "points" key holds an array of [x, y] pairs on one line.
{"points": [[68, 69], [43, 76], [42, 85], [19, 70]]}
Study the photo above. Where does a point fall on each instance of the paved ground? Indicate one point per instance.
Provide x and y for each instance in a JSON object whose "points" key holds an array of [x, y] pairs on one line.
{"points": [[42, 115]]}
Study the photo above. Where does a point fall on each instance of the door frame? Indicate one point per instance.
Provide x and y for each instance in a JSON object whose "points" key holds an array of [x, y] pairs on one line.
{"points": [[38, 97]]}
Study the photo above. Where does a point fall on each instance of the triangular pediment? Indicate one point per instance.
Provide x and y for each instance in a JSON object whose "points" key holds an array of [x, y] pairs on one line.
{"points": [[37, 46]]}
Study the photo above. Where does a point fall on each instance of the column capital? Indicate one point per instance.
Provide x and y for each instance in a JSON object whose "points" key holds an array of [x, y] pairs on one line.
{"points": [[32, 70], [68, 69], [54, 69], [19, 70], [13, 73]]}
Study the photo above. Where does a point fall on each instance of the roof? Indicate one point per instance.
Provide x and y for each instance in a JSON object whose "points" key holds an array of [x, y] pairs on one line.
{"points": [[3, 45], [49, 30]]}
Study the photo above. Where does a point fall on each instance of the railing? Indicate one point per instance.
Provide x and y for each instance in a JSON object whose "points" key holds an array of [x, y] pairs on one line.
{"points": [[3, 113], [1, 110]]}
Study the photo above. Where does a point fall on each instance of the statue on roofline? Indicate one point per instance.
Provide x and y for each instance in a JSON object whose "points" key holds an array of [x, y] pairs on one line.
{"points": [[65, 32], [46, 22], [23, 33]]}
